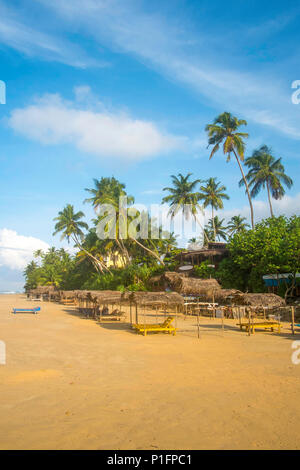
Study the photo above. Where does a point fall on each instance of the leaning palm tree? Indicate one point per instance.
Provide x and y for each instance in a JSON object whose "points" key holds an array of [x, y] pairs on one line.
{"points": [[217, 225], [266, 171], [212, 195], [237, 224], [224, 130], [71, 226], [183, 198], [108, 191]]}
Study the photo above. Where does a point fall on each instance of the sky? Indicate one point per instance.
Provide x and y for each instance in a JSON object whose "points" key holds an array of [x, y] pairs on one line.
{"points": [[125, 88]]}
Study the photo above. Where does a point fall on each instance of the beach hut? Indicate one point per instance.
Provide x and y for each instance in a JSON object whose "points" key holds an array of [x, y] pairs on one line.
{"points": [[215, 252]]}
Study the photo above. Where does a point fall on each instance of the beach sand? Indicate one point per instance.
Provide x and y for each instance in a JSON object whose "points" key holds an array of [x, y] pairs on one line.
{"points": [[71, 383]]}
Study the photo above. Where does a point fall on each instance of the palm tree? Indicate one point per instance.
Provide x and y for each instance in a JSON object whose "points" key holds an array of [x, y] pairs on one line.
{"points": [[224, 130], [109, 191], [71, 226], [106, 190], [213, 195], [217, 226], [38, 253], [183, 197], [265, 171], [237, 224]]}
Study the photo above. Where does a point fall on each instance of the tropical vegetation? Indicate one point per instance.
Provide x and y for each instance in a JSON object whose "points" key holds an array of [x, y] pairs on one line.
{"points": [[117, 250]]}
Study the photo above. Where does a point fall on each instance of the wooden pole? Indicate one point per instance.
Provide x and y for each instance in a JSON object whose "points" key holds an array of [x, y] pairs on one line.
{"points": [[222, 310], [198, 326], [130, 312], [249, 325], [293, 320]]}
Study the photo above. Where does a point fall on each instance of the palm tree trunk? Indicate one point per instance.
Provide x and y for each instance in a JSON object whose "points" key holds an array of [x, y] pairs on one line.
{"points": [[213, 222], [97, 263], [201, 226], [247, 188], [269, 197], [147, 249], [123, 250]]}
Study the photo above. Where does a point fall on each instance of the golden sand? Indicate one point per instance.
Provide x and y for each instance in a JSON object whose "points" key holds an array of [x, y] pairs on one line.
{"points": [[70, 383]]}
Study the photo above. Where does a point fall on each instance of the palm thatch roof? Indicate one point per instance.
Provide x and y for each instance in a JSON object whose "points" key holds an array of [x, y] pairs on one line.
{"points": [[43, 290], [258, 300], [225, 296], [67, 294], [193, 286], [156, 298]]}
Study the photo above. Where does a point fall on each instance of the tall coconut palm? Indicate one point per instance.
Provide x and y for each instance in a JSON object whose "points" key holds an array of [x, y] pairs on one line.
{"points": [[217, 225], [266, 172], [224, 130], [237, 224], [183, 197], [105, 190], [70, 225], [212, 195]]}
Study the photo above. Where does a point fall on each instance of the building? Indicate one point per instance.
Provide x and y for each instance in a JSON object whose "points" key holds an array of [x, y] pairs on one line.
{"points": [[273, 281], [215, 252]]}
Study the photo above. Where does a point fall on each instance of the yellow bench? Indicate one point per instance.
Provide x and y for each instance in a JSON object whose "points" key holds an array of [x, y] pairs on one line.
{"points": [[265, 325], [67, 301], [156, 327]]}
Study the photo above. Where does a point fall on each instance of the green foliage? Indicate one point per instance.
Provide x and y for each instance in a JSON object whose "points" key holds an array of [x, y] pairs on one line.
{"points": [[55, 268], [204, 271], [272, 247]]}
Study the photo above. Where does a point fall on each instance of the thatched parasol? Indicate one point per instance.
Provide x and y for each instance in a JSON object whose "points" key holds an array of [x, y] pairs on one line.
{"points": [[156, 298], [258, 300], [197, 287]]}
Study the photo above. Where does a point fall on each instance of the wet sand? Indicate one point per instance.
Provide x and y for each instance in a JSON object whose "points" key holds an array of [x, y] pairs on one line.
{"points": [[71, 383]]}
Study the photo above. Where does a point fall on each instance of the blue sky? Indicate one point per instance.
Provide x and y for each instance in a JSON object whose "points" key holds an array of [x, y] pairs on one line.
{"points": [[125, 88]]}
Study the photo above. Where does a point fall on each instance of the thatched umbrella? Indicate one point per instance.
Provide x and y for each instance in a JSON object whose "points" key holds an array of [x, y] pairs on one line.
{"points": [[258, 300], [196, 287], [155, 300], [225, 296]]}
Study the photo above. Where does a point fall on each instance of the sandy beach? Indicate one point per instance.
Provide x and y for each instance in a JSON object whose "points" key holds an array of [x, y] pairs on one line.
{"points": [[71, 383]]}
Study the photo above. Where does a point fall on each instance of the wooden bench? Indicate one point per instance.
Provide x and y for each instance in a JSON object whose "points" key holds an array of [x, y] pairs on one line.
{"points": [[165, 327], [264, 325]]}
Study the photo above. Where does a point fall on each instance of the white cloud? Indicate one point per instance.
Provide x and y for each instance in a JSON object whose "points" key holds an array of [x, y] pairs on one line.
{"points": [[288, 206], [171, 49], [16, 251], [51, 120]]}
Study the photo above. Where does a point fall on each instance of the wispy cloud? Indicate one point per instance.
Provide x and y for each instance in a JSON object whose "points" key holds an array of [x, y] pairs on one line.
{"points": [[52, 120], [33, 42], [176, 53]]}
